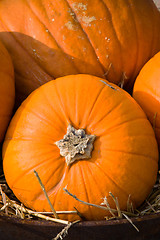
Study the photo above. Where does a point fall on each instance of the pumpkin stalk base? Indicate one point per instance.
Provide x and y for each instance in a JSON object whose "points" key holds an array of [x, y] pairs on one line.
{"points": [[75, 145]]}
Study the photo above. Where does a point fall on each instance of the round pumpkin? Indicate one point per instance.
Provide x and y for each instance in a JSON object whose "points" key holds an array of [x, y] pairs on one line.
{"points": [[146, 92], [7, 90], [47, 39], [84, 134]]}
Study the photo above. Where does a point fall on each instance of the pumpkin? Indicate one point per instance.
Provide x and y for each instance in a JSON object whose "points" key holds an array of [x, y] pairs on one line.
{"points": [[111, 39], [146, 92], [7, 90], [84, 134]]}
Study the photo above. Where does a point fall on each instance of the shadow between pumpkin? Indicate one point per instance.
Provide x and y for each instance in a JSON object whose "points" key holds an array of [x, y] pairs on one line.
{"points": [[151, 107], [35, 63]]}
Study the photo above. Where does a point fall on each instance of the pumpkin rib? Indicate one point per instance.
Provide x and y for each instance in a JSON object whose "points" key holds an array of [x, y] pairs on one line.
{"points": [[38, 81], [85, 188], [96, 99], [80, 54], [27, 52], [122, 123], [18, 73], [81, 26], [52, 189], [117, 125], [102, 118], [115, 33], [93, 104], [30, 139], [82, 177], [58, 45], [92, 178], [138, 154], [33, 59], [51, 104], [56, 169], [57, 191], [111, 179], [70, 179], [136, 37], [30, 55], [62, 104], [146, 157], [111, 111], [116, 36], [31, 169], [98, 58], [37, 114], [151, 49], [121, 188], [45, 120]]}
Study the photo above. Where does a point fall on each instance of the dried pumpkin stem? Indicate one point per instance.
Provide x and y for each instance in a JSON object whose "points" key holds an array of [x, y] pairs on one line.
{"points": [[42, 216], [98, 206], [43, 188], [58, 212], [130, 221], [64, 231], [117, 204], [75, 145], [4, 207], [4, 200], [105, 203]]}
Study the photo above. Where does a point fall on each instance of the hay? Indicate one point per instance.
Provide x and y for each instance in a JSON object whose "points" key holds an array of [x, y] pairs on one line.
{"points": [[10, 206]]}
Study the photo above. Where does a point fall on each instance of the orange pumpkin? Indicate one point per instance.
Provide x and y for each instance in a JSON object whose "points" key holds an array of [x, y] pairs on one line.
{"points": [[146, 92], [47, 39], [7, 90], [81, 133]]}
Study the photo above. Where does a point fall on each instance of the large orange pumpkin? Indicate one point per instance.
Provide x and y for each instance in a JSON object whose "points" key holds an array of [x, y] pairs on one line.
{"points": [[7, 90], [47, 39], [146, 92], [81, 133]]}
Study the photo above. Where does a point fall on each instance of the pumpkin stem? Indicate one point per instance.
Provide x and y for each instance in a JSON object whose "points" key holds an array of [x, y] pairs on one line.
{"points": [[75, 145]]}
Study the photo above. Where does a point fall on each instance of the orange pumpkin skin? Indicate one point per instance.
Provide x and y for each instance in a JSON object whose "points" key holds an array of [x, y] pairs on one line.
{"points": [[124, 158], [7, 90], [146, 92], [47, 39]]}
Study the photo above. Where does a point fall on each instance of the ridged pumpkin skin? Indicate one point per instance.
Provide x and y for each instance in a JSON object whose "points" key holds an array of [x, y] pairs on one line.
{"points": [[124, 157], [146, 92], [7, 90], [47, 39]]}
